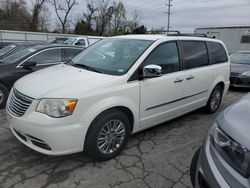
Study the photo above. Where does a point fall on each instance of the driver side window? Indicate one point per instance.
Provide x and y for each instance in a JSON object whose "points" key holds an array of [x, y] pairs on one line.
{"points": [[48, 56], [165, 55]]}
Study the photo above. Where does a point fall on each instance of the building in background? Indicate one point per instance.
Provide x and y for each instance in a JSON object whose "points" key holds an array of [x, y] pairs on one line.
{"points": [[235, 38]]}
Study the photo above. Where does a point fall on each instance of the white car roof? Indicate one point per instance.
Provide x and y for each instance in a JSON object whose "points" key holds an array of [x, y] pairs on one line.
{"points": [[157, 37]]}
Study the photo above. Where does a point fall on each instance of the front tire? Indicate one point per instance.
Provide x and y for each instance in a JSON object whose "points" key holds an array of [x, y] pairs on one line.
{"points": [[4, 93], [108, 135], [214, 100]]}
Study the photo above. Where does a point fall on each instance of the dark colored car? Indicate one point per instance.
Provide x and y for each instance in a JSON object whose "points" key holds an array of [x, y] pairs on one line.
{"points": [[58, 40], [223, 160], [3, 44], [240, 69], [29, 60], [16, 47]]}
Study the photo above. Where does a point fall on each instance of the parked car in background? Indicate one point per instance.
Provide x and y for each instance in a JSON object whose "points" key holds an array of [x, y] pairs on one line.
{"points": [[29, 60], [3, 44], [240, 69], [117, 86], [16, 47], [223, 160], [58, 40], [82, 41]]}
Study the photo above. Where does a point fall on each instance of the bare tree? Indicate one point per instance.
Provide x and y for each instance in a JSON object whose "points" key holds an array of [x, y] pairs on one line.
{"points": [[36, 10], [90, 15], [135, 19], [104, 15], [119, 17], [44, 20], [133, 23], [62, 10], [14, 15]]}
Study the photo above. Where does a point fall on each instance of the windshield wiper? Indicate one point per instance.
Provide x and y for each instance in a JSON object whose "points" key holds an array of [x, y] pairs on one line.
{"points": [[86, 67]]}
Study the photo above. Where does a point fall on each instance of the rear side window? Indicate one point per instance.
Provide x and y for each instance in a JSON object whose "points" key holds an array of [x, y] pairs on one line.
{"points": [[245, 39], [195, 54], [70, 53], [217, 53]]}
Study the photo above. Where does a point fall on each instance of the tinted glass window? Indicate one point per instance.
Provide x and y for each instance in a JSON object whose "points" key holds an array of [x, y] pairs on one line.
{"points": [[7, 49], [13, 58], [166, 56], [70, 53], [48, 56], [195, 54], [217, 53], [245, 39]]}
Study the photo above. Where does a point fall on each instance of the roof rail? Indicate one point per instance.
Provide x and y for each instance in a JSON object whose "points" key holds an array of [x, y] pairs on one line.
{"points": [[187, 34]]}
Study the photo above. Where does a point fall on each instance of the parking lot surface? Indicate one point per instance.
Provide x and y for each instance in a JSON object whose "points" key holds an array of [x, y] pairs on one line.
{"points": [[158, 157]]}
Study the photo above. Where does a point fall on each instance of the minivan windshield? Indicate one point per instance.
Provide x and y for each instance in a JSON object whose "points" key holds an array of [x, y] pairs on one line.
{"points": [[240, 57], [17, 56], [112, 56]]}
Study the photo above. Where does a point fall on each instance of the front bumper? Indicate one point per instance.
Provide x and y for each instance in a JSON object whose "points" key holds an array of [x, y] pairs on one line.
{"points": [[213, 171], [47, 135], [239, 81]]}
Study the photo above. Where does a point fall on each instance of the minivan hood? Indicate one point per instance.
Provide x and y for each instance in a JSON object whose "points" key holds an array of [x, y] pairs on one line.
{"points": [[239, 68], [60, 81], [235, 121]]}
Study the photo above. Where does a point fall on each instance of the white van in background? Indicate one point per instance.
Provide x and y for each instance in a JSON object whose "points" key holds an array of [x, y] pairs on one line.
{"points": [[83, 41]]}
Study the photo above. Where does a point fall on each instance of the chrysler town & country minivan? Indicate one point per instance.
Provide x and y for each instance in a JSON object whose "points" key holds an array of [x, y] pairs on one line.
{"points": [[117, 87]]}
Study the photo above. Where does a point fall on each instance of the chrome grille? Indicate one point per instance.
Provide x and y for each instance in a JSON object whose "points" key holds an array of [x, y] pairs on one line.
{"points": [[18, 103]]}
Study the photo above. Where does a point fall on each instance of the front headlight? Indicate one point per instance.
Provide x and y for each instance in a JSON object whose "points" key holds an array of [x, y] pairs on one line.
{"points": [[56, 107], [246, 74], [231, 151]]}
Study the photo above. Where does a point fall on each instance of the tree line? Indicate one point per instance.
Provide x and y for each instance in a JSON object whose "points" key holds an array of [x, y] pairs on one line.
{"points": [[101, 17]]}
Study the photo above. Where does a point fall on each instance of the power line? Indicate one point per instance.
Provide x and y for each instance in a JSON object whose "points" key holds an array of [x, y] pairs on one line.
{"points": [[169, 5]]}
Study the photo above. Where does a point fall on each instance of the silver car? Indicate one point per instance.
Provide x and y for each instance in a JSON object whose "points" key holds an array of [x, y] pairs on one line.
{"points": [[224, 158]]}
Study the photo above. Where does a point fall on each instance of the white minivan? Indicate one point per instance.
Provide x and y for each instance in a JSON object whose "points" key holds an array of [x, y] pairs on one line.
{"points": [[117, 87]]}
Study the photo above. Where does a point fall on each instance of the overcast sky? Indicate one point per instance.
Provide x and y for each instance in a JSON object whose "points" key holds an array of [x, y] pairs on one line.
{"points": [[189, 14], [186, 14]]}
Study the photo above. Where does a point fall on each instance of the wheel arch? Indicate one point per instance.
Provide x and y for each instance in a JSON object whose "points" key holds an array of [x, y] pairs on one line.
{"points": [[121, 108]]}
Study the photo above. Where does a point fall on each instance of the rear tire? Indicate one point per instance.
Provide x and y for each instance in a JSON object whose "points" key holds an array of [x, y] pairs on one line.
{"points": [[214, 100], [107, 135], [193, 166], [4, 93]]}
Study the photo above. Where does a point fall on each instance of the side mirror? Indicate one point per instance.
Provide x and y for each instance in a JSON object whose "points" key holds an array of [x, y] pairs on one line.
{"points": [[152, 71], [28, 64]]}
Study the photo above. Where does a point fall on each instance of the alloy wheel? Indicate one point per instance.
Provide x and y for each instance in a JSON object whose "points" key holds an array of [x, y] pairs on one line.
{"points": [[215, 101], [111, 136]]}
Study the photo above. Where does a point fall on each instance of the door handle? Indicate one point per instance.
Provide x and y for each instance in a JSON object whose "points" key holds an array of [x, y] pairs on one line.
{"points": [[178, 80], [190, 77]]}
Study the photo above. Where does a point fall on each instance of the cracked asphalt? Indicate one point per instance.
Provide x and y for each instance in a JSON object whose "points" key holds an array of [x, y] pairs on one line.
{"points": [[157, 157]]}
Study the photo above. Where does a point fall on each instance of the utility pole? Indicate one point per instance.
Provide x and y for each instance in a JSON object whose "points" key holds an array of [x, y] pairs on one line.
{"points": [[169, 5]]}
